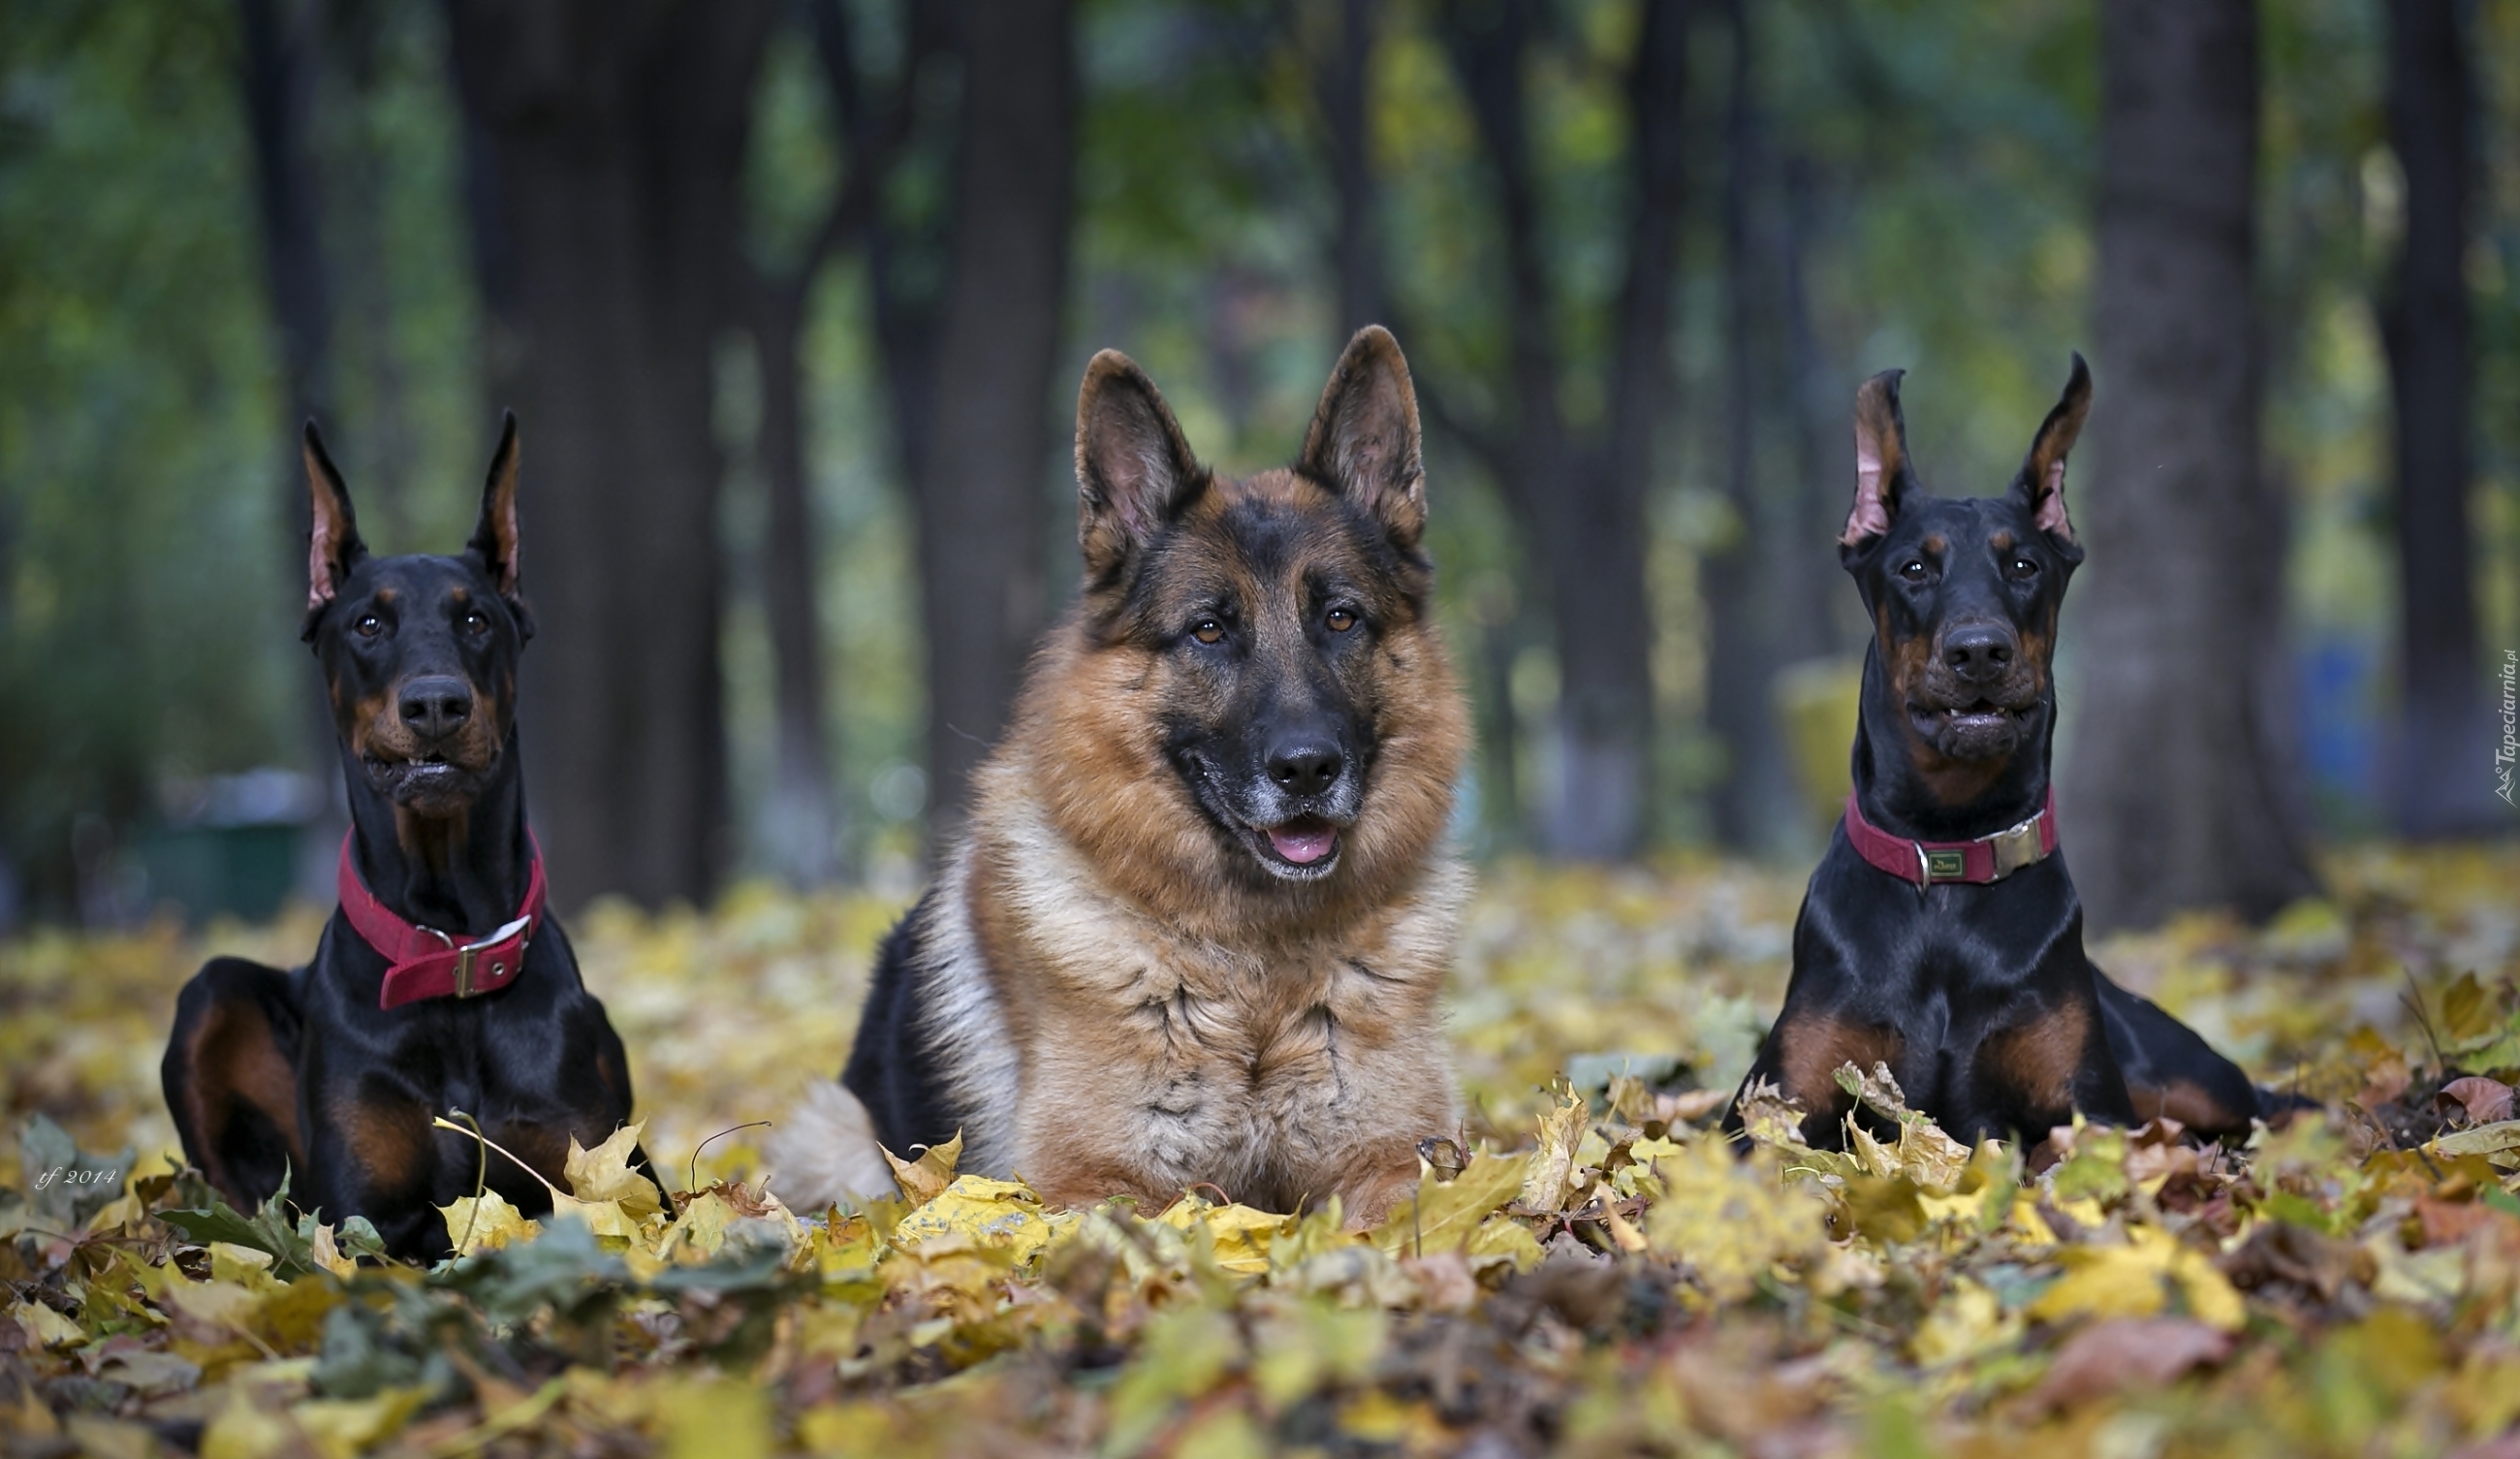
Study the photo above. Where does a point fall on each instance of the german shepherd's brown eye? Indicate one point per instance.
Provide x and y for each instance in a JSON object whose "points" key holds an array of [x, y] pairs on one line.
{"points": [[473, 620], [1340, 620], [369, 626], [2021, 567], [1912, 569], [1207, 630]]}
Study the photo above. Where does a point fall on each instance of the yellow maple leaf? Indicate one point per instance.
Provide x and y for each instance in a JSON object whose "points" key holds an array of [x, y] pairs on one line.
{"points": [[604, 1173], [1443, 1215], [1732, 1221], [2136, 1279], [46, 1326], [485, 1222], [1966, 1322], [926, 1178], [339, 1428], [1241, 1233], [1002, 1215]]}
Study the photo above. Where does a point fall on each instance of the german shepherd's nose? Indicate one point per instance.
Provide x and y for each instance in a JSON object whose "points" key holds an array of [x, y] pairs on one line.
{"points": [[1305, 763], [435, 705]]}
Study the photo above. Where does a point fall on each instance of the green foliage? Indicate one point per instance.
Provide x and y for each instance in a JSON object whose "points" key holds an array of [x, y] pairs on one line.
{"points": [[1934, 162]]}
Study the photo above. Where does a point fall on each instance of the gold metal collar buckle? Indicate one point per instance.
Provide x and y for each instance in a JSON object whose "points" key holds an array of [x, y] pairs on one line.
{"points": [[2015, 849]]}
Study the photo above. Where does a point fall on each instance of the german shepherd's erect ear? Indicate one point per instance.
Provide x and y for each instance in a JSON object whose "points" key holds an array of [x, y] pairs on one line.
{"points": [[1364, 443], [1133, 471]]}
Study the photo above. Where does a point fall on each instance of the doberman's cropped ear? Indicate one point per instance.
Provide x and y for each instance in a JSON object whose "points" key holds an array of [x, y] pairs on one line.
{"points": [[1883, 478], [1365, 442], [1133, 471], [494, 536], [2041, 487], [332, 545]]}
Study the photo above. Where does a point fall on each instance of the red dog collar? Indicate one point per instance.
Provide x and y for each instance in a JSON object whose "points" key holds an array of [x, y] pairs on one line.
{"points": [[427, 963], [1989, 859]]}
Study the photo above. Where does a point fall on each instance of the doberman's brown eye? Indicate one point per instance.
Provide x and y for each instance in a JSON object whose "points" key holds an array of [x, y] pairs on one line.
{"points": [[1207, 630], [369, 626], [1913, 571], [2022, 567], [1340, 620], [474, 621]]}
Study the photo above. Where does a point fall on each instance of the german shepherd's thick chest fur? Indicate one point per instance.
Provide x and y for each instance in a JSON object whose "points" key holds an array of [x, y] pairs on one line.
{"points": [[1199, 922]]}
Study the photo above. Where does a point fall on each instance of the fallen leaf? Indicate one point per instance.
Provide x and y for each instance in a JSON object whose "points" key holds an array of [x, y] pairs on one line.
{"points": [[2125, 1354], [1732, 1221], [604, 1173], [1443, 1215], [923, 1179], [2484, 1101], [2485, 1139], [1001, 1215], [485, 1223], [1545, 1181]]}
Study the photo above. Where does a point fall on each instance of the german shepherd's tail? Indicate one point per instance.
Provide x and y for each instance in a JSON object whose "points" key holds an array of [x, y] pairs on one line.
{"points": [[826, 1153]]}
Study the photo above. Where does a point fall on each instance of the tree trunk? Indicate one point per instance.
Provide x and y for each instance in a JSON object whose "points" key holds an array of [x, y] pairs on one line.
{"points": [[803, 814], [2443, 749], [1583, 498], [1810, 585], [1752, 807], [278, 79], [980, 488], [614, 140], [1348, 115], [2171, 800], [802, 819]]}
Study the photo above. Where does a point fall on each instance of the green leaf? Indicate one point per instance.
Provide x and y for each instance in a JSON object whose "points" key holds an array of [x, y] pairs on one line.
{"points": [[268, 1230]]}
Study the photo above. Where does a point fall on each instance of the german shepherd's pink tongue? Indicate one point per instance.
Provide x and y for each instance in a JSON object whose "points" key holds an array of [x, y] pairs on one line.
{"points": [[1304, 840]]}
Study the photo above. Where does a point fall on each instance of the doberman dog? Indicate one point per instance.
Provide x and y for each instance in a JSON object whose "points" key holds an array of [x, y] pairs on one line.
{"points": [[331, 1074], [1940, 933]]}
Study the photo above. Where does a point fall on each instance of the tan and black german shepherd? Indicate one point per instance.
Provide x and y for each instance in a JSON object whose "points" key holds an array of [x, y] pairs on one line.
{"points": [[1201, 916]]}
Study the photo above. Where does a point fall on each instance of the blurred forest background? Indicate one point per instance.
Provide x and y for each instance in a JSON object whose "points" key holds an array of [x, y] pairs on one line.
{"points": [[791, 300]]}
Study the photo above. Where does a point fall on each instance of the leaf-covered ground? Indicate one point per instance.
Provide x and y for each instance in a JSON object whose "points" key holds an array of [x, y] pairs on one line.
{"points": [[1590, 1273]]}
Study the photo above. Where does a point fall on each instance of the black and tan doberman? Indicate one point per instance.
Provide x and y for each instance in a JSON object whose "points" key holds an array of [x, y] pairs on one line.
{"points": [[1941, 934], [442, 981]]}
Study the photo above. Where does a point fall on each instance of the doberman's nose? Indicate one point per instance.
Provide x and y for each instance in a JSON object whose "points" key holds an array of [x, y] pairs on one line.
{"points": [[436, 704], [1305, 765], [1979, 651]]}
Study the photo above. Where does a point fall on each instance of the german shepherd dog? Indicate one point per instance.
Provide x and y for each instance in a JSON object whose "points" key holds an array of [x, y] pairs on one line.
{"points": [[1196, 927]]}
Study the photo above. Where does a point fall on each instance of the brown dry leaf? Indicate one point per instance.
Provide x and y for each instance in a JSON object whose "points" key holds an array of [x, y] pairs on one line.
{"points": [[2127, 1353], [2484, 1101], [926, 1178], [1561, 1129], [1770, 1118]]}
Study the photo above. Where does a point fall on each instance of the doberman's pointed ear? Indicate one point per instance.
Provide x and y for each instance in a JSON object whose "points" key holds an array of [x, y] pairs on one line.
{"points": [[1133, 471], [2041, 487], [1883, 479], [494, 536], [1365, 442], [332, 545]]}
